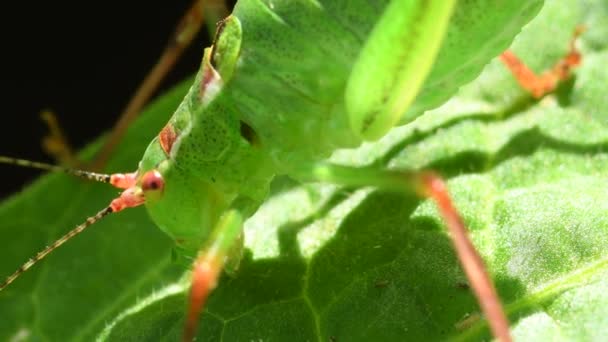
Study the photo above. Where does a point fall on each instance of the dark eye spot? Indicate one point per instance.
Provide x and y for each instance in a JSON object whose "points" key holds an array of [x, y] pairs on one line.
{"points": [[153, 185], [152, 181]]}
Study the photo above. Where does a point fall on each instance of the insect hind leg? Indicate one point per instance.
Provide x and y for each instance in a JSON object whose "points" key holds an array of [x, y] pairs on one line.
{"points": [[426, 185]]}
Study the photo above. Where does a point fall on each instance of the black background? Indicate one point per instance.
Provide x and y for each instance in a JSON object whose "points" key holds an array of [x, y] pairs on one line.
{"points": [[83, 60]]}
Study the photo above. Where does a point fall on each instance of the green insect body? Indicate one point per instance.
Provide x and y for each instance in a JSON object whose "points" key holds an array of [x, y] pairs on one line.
{"points": [[255, 78], [271, 74], [289, 82]]}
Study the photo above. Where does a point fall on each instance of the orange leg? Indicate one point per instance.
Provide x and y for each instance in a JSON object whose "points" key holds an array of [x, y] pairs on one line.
{"points": [[430, 185], [471, 261], [540, 85], [208, 267]]}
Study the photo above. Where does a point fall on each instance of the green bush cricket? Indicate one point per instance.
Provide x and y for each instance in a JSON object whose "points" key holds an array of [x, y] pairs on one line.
{"points": [[227, 143]]}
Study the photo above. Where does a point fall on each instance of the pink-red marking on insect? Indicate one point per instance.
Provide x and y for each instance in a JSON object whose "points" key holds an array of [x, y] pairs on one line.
{"points": [[167, 137], [210, 84]]}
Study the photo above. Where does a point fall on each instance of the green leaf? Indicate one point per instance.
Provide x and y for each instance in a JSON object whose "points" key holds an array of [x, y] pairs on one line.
{"points": [[328, 263]]}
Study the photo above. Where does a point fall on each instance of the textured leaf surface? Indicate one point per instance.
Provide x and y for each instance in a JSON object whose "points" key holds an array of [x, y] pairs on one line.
{"points": [[327, 263]]}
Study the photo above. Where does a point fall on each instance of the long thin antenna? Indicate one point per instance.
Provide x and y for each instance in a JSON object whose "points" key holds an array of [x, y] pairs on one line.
{"points": [[42, 254], [185, 32], [99, 177]]}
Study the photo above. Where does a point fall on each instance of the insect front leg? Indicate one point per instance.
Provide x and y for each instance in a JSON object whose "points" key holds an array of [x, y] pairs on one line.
{"points": [[209, 264], [426, 185]]}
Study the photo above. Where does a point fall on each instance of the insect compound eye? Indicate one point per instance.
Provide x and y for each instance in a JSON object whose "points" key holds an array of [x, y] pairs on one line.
{"points": [[152, 181]]}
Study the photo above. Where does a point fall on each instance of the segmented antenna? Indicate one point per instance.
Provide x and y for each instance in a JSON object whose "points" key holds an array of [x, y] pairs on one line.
{"points": [[42, 254], [99, 177]]}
